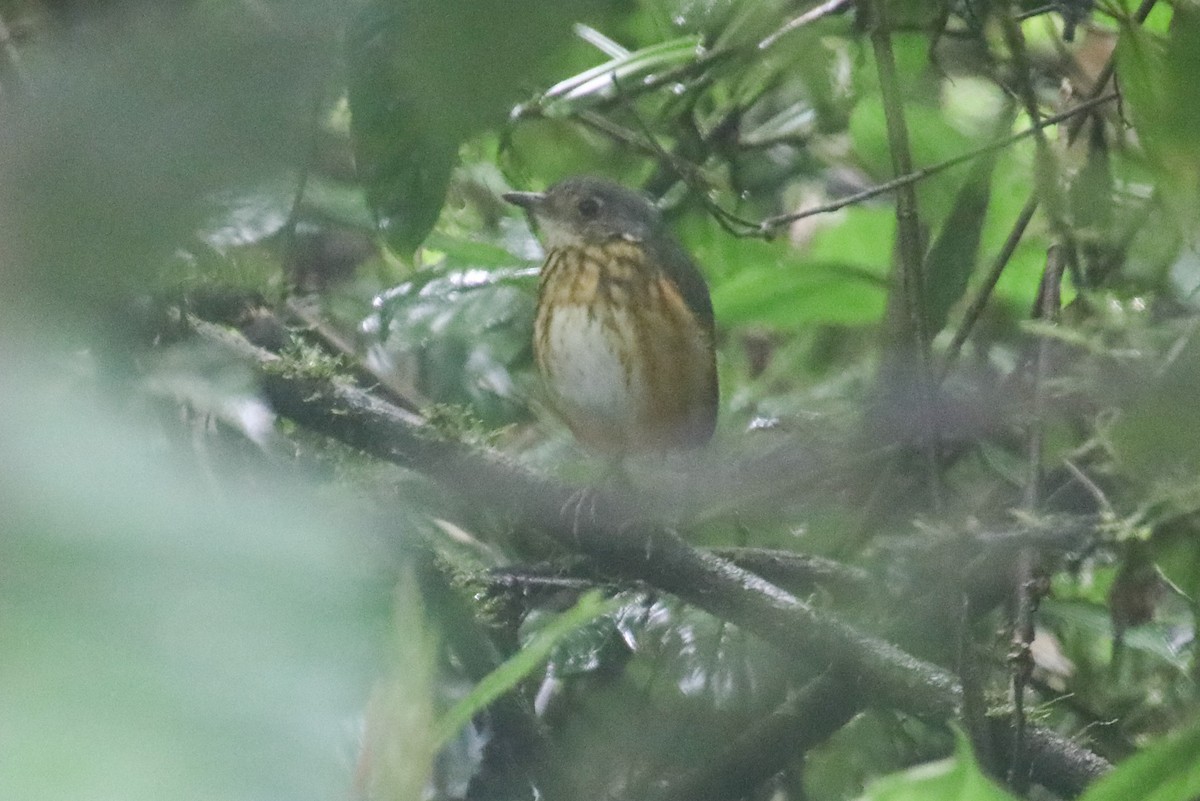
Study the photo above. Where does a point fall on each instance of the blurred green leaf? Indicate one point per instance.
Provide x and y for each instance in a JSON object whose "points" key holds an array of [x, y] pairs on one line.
{"points": [[460, 251], [399, 747], [423, 76], [751, 22], [404, 151], [951, 259], [932, 139], [105, 165], [337, 202], [955, 779], [165, 639], [1158, 79], [684, 686], [838, 279], [1155, 434], [860, 236], [1095, 621], [797, 295], [711, 666], [1168, 770]]}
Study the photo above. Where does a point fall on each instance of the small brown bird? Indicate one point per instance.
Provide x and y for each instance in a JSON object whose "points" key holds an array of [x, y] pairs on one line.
{"points": [[623, 335]]}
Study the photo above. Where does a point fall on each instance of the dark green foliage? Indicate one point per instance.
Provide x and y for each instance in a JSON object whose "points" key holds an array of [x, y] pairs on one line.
{"points": [[952, 257], [425, 76]]}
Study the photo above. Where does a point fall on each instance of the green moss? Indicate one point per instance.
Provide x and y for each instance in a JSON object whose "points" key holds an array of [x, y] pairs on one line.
{"points": [[460, 423], [302, 360]]}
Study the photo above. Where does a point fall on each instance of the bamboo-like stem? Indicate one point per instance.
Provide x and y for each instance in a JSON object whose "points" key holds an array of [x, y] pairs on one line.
{"points": [[910, 247]]}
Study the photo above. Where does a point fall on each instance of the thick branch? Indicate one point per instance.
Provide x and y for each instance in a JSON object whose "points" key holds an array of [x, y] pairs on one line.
{"points": [[883, 674]]}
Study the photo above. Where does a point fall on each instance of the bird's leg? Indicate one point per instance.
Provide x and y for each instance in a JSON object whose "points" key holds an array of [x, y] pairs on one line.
{"points": [[581, 505]]}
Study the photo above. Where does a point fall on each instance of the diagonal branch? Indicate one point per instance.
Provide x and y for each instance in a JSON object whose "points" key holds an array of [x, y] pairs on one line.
{"points": [[921, 173], [618, 541]]}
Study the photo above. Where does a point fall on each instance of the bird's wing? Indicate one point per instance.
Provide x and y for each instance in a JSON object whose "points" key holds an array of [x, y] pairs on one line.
{"points": [[680, 268]]}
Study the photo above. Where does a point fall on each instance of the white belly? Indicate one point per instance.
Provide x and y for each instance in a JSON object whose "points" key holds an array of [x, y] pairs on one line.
{"points": [[588, 369]]}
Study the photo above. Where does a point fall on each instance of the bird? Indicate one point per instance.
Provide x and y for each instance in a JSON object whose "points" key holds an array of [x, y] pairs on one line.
{"points": [[624, 326]]}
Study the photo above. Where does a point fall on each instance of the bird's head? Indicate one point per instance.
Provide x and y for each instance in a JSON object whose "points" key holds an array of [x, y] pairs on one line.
{"points": [[588, 211]]}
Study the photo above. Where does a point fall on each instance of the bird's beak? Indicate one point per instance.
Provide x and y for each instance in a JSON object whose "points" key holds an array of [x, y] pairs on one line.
{"points": [[526, 200]]}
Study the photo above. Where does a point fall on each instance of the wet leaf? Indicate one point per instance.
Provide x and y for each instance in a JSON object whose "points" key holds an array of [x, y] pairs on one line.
{"points": [[465, 332], [532, 655], [576, 93]]}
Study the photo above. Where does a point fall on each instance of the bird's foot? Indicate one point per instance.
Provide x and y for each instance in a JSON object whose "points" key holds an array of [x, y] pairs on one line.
{"points": [[580, 509]]}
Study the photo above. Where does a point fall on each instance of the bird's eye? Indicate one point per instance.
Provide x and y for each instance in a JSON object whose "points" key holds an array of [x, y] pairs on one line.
{"points": [[589, 207]]}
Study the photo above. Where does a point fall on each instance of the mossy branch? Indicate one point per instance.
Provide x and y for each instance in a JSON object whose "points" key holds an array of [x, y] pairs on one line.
{"points": [[877, 671]]}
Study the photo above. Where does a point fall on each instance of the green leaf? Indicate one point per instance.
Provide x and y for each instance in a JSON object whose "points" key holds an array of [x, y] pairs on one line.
{"points": [[955, 779], [460, 333], [1094, 623], [932, 140], [862, 237], [532, 656], [1169, 770], [951, 260], [839, 280], [717, 667], [404, 147], [598, 83], [423, 76], [1156, 435], [1158, 80], [109, 163], [168, 638], [799, 295]]}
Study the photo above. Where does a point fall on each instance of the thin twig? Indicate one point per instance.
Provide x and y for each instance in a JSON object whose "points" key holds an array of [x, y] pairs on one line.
{"points": [[1026, 590], [1046, 172], [1059, 256], [980, 301], [1021, 658], [688, 172], [922, 173], [1074, 126], [1091, 486]]}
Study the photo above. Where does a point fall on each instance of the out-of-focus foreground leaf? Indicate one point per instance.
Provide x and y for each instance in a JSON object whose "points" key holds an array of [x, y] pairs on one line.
{"points": [[163, 640], [957, 778], [425, 75], [1166, 771], [130, 121], [1159, 81]]}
